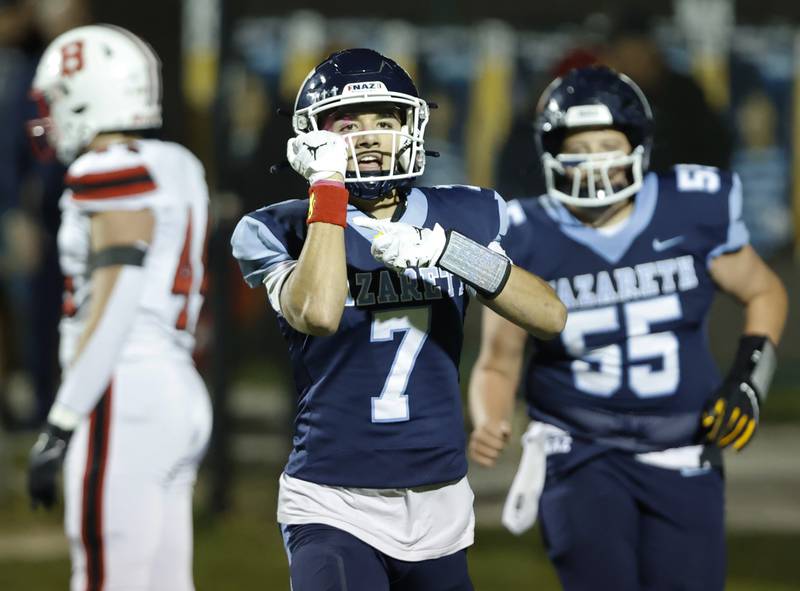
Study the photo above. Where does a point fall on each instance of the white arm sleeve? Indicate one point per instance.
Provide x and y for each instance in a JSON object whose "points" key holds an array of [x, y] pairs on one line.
{"points": [[274, 280], [90, 374]]}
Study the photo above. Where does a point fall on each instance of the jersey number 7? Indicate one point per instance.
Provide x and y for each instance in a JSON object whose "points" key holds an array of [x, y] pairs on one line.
{"points": [[391, 406]]}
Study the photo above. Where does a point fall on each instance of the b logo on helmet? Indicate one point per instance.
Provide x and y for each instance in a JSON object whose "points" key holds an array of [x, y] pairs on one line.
{"points": [[72, 58]]}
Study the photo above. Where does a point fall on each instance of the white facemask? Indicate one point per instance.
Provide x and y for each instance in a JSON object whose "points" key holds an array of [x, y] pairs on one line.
{"points": [[587, 177]]}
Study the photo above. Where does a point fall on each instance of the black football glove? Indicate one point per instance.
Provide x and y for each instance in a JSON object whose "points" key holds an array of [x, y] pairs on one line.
{"points": [[44, 465], [732, 416]]}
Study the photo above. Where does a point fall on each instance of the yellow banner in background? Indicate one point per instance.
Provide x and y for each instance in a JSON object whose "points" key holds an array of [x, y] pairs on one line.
{"points": [[490, 110], [305, 48]]}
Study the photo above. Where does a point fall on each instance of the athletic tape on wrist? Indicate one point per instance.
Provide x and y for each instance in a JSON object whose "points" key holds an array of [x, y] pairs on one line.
{"points": [[757, 358], [63, 418], [327, 202], [486, 270]]}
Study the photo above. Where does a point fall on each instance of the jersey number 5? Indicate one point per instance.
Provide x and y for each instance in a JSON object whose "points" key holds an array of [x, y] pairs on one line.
{"points": [[391, 406], [598, 370]]}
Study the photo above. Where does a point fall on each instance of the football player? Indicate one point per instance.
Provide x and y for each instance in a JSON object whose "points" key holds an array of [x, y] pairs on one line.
{"points": [[370, 279], [132, 417], [628, 412]]}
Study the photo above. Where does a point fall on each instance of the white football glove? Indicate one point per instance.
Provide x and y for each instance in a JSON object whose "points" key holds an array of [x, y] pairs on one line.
{"points": [[400, 246], [317, 155]]}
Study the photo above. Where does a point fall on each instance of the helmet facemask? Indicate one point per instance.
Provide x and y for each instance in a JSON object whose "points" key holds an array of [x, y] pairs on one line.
{"points": [[586, 179], [41, 131], [63, 129]]}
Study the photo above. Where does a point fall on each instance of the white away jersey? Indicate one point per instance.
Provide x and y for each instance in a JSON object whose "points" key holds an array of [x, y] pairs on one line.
{"points": [[168, 180]]}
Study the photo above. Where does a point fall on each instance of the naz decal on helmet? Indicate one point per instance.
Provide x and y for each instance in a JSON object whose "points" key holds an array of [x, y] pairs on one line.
{"points": [[364, 87], [71, 58]]}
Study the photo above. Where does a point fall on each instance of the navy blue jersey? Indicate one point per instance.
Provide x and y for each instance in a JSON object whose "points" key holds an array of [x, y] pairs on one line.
{"points": [[632, 368], [379, 403]]}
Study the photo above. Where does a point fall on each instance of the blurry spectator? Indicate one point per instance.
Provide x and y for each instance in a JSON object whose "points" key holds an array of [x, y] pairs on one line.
{"points": [[686, 128], [18, 244], [56, 17], [449, 167], [763, 165], [30, 282], [255, 137]]}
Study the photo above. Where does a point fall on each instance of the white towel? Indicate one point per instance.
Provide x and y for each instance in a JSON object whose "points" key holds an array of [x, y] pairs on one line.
{"points": [[522, 502]]}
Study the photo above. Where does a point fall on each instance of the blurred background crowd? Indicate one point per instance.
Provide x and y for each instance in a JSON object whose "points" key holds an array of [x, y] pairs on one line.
{"points": [[723, 77]]}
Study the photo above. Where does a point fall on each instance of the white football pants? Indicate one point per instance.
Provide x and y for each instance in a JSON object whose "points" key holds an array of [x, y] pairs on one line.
{"points": [[128, 480]]}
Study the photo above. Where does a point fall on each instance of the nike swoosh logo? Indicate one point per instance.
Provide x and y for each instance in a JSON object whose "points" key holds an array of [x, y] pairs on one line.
{"points": [[659, 245]]}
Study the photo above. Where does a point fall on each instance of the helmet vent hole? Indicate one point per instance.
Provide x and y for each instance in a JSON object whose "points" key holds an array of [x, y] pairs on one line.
{"points": [[79, 109]]}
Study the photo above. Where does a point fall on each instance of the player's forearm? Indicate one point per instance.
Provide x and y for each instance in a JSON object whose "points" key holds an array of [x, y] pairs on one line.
{"points": [[491, 395], [312, 300], [116, 292], [103, 281], [766, 311], [530, 303]]}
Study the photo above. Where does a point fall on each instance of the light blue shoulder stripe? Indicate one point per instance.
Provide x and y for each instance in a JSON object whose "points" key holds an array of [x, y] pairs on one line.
{"points": [[516, 214], [610, 247], [286, 535], [257, 249], [416, 208], [415, 214], [502, 212], [737, 236]]}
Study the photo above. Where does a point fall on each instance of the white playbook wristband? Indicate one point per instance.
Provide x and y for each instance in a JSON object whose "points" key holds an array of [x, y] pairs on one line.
{"points": [[482, 267], [90, 373]]}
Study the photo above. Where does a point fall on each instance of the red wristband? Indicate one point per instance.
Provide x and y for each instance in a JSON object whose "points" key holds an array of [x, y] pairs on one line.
{"points": [[328, 203]]}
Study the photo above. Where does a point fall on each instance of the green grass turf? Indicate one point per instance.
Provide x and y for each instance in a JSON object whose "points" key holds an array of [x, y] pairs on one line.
{"points": [[244, 551]]}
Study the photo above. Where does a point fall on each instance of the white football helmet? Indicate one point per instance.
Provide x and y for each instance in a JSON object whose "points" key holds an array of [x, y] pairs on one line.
{"points": [[92, 79]]}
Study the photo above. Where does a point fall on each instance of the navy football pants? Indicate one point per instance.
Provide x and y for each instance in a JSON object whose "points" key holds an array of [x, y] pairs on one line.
{"points": [[323, 558], [614, 523]]}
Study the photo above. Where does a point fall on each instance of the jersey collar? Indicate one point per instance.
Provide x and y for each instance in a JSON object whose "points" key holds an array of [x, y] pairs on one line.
{"points": [[415, 214]]}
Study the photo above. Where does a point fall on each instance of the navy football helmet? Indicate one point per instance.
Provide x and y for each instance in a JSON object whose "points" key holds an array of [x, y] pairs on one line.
{"points": [[358, 77], [593, 97]]}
